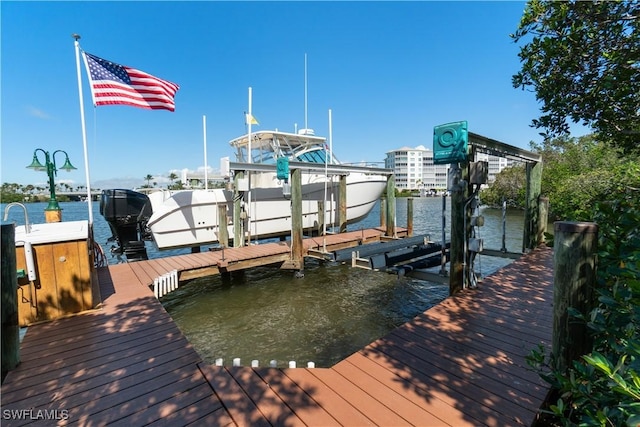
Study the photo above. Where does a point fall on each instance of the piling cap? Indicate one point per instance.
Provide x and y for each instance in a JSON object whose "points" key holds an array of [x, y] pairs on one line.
{"points": [[575, 227]]}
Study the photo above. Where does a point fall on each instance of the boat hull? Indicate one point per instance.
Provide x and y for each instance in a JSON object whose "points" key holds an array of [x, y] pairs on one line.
{"points": [[190, 218]]}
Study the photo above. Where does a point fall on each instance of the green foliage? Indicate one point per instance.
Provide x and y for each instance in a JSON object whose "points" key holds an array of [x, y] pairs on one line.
{"points": [[603, 387], [582, 59], [10, 193], [579, 172], [510, 185], [576, 174], [404, 193]]}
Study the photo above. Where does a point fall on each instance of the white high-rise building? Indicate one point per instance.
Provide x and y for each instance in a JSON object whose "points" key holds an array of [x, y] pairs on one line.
{"points": [[414, 168]]}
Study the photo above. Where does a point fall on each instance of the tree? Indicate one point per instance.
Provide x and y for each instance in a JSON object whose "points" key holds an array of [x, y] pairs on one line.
{"points": [[172, 178], [578, 172], [148, 178], [582, 59], [11, 192], [510, 185]]}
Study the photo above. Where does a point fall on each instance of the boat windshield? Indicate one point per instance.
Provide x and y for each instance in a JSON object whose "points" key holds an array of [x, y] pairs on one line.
{"points": [[267, 147]]}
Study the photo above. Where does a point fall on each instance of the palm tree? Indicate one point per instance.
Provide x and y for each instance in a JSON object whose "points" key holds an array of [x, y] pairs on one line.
{"points": [[148, 178], [172, 177]]}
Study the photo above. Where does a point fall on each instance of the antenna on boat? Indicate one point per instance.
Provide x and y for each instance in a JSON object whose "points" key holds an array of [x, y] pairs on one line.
{"points": [[204, 132], [249, 160], [249, 120], [305, 92]]}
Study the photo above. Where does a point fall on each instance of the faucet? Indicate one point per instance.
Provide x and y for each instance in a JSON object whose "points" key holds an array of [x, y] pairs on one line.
{"points": [[27, 226]]}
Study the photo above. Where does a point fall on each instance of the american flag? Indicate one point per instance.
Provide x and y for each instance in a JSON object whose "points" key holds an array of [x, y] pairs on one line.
{"points": [[118, 84]]}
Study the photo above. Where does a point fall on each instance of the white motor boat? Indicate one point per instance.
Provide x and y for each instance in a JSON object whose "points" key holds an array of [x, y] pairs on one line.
{"points": [[189, 218]]}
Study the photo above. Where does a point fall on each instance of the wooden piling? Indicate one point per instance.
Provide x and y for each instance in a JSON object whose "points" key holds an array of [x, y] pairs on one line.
{"points": [[223, 231], [391, 207], [238, 229], [383, 212], [575, 251], [532, 210], [458, 233], [410, 216], [543, 218], [321, 213], [10, 333], [342, 204], [297, 249]]}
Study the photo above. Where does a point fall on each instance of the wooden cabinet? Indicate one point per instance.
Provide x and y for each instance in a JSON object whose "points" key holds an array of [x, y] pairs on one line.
{"points": [[64, 276]]}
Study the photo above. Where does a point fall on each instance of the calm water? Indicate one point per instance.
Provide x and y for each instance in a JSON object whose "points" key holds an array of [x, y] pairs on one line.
{"points": [[267, 314]]}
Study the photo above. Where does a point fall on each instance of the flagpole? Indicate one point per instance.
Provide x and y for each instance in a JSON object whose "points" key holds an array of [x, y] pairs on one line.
{"points": [[84, 130], [206, 173], [326, 178], [305, 92], [249, 119], [250, 160]]}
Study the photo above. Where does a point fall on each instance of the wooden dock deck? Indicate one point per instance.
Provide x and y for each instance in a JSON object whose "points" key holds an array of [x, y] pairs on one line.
{"points": [[191, 266], [460, 363]]}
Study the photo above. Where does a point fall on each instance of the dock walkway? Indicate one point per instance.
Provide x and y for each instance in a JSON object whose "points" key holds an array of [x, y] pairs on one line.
{"points": [[191, 266], [460, 363]]}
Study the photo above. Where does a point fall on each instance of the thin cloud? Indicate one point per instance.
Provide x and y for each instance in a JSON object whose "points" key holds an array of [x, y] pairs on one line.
{"points": [[36, 112]]}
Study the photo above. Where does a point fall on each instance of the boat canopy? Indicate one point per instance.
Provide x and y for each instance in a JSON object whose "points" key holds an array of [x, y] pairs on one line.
{"points": [[267, 146]]}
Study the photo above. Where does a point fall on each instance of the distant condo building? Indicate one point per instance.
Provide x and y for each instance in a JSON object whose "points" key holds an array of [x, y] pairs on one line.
{"points": [[191, 179], [414, 168]]}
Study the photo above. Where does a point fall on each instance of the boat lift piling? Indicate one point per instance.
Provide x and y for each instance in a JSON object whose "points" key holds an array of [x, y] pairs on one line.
{"points": [[296, 170], [223, 231]]}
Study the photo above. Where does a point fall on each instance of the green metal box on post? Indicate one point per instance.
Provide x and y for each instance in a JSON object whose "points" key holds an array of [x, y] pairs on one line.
{"points": [[282, 169], [450, 143], [451, 146]]}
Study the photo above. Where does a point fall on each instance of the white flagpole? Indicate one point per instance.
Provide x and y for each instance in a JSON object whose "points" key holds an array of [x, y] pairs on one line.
{"points": [[326, 178], [206, 169], [249, 119], [84, 130], [331, 157], [250, 160]]}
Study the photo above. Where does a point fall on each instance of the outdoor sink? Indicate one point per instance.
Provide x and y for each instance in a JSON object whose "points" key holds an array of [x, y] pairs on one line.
{"points": [[52, 232]]}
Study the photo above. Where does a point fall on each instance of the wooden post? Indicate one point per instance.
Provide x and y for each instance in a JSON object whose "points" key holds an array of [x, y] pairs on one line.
{"points": [[223, 231], [458, 233], [410, 216], [321, 213], [53, 215], [575, 251], [10, 331], [238, 227], [443, 253], [342, 205], [296, 219], [383, 212], [531, 215], [543, 219], [391, 206]]}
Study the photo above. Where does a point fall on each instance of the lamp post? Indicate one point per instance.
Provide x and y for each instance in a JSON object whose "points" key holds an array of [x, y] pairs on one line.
{"points": [[52, 212]]}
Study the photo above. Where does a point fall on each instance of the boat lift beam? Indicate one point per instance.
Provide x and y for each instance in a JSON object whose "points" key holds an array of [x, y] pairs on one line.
{"points": [[310, 167], [491, 146], [384, 255]]}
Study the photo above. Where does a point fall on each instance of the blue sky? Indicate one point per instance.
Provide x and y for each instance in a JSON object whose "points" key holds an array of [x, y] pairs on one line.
{"points": [[389, 71]]}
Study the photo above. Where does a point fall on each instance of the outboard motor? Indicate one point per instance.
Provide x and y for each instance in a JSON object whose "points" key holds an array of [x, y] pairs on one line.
{"points": [[127, 213]]}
